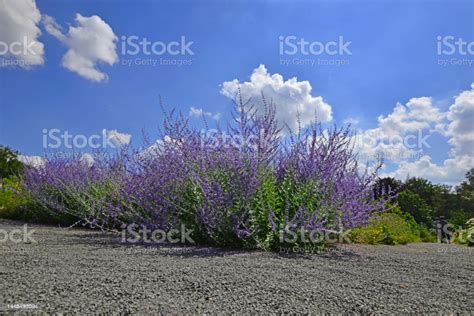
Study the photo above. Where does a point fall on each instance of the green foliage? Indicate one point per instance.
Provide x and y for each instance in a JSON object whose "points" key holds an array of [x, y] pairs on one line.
{"points": [[466, 188], [387, 187], [470, 232], [458, 218], [466, 236], [432, 194], [9, 164], [15, 205], [465, 194], [283, 199], [266, 199], [411, 203], [10, 201], [426, 235], [391, 228], [425, 200]]}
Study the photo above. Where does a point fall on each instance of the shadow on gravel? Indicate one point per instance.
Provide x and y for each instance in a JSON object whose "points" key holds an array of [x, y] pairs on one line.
{"points": [[188, 251], [94, 238]]}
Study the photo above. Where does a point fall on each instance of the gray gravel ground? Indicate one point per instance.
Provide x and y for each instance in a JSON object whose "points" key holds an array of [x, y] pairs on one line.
{"points": [[82, 271]]}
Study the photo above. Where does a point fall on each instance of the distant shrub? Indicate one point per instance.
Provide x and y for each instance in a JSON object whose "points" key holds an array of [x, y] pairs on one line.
{"points": [[17, 205], [470, 232], [466, 236], [411, 203], [10, 166], [10, 201], [393, 227], [458, 218], [426, 235]]}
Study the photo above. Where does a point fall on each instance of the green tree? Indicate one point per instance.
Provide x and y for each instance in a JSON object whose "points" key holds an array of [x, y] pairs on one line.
{"points": [[387, 186], [9, 163], [434, 195], [465, 194], [413, 204], [466, 188]]}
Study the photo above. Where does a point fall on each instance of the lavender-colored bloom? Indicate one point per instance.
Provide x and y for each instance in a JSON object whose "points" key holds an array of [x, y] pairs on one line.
{"points": [[228, 192]]}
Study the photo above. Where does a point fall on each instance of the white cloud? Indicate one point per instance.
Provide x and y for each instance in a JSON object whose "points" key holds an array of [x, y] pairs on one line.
{"points": [[450, 172], [19, 30], [87, 160], [460, 130], [418, 113], [116, 138], [199, 113], [152, 150], [461, 126], [351, 120], [291, 97], [32, 161], [90, 42], [370, 145], [158, 147], [399, 135]]}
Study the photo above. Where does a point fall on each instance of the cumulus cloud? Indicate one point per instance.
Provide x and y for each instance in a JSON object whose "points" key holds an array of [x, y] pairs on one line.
{"points": [[461, 126], [116, 138], [418, 113], [32, 161], [19, 31], [199, 113], [402, 134], [157, 148], [90, 42], [291, 97], [460, 132], [87, 160], [450, 172]]}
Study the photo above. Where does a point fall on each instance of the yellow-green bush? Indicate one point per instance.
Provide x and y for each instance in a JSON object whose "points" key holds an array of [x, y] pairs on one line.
{"points": [[470, 232], [16, 206], [466, 236], [391, 228], [10, 201]]}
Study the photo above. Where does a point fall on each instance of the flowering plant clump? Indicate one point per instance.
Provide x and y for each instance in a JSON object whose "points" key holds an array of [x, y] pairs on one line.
{"points": [[263, 189]]}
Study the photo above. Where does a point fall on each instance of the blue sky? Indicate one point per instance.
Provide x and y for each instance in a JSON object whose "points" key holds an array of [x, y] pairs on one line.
{"points": [[394, 58]]}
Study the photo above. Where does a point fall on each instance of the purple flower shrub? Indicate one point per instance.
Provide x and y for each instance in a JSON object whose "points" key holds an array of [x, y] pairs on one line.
{"points": [[69, 186], [239, 193]]}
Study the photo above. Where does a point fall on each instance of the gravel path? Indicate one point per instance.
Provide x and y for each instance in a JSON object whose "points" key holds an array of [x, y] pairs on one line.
{"points": [[84, 271]]}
